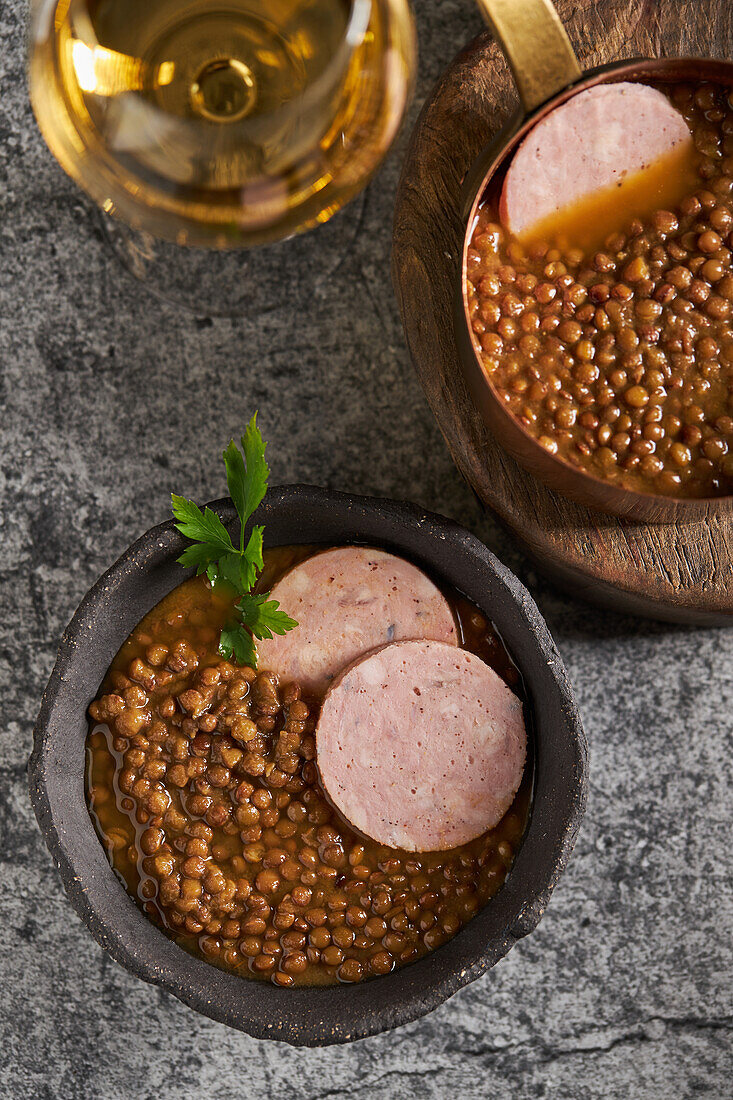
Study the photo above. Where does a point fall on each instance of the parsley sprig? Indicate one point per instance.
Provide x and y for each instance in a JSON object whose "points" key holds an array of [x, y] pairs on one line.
{"points": [[213, 552]]}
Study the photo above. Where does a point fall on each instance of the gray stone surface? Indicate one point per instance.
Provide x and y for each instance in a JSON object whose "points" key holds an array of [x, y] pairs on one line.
{"points": [[111, 399]]}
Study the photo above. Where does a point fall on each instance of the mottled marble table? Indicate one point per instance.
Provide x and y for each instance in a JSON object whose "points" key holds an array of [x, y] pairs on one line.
{"points": [[625, 990]]}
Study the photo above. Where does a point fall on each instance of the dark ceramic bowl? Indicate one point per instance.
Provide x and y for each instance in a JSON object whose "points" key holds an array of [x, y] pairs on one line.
{"points": [[308, 1017], [552, 86]]}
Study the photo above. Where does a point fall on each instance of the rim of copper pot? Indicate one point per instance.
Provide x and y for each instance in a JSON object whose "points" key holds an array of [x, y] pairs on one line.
{"points": [[553, 471]]}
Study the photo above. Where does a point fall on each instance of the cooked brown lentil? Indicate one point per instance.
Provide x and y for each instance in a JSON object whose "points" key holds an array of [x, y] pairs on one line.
{"points": [[620, 361], [202, 785]]}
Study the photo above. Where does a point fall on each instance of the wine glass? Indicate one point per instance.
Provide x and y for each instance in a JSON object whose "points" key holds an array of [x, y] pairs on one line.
{"points": [[206, 127]]}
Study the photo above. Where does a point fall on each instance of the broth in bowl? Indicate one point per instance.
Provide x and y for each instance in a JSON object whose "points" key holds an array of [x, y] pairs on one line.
{"points": [[203, 786]]}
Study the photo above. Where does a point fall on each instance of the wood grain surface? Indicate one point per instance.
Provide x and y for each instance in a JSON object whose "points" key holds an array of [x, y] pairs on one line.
{"points": [[680, 572]]}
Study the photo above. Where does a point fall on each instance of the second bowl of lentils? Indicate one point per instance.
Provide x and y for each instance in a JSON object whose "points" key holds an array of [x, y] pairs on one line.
{"points": [[607, 373]]}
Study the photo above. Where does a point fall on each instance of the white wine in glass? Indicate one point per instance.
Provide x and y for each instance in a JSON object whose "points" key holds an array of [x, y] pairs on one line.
{"points": [[220, 124]]}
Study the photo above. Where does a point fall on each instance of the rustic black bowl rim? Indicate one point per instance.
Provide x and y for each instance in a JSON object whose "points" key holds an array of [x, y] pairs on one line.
{"points": [[308, 1017]]}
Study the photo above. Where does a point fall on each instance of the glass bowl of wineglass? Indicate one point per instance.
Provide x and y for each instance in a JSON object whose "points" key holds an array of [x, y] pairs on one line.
{"points": [[218, 126]]}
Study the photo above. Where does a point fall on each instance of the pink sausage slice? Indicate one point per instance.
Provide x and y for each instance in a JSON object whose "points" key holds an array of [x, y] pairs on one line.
{"points": [[591, 142], [348, 601], [421, 746]]}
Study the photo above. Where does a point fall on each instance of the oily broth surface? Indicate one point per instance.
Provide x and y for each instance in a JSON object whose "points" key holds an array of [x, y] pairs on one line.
{"points": [[432, 895]]}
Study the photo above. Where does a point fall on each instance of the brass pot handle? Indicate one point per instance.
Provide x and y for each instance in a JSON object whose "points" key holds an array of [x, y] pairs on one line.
{"points": [[536, 46]]}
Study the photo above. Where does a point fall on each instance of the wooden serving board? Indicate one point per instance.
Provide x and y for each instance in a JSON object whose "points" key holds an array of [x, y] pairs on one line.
{"points": [[680, 572]]}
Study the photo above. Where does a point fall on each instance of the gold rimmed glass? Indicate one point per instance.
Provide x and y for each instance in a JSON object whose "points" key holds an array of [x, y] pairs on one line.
{"points": [[218, 125]]}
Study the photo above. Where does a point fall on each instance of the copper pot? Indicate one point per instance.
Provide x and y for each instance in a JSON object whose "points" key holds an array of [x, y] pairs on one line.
{"points": [[547, 73]]}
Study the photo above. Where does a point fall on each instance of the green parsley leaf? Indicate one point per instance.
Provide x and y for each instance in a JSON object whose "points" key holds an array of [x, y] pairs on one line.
{"points": [[232, 569], [263, 617], [253, 562], [212, 551], [204, 527], [237, 643], [201, 555], [258, 471], [237, 482]]}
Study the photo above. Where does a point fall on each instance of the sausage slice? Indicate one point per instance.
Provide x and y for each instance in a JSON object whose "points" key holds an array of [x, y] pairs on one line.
{"points": [[421, 746], [347, 602], [590, 142]]}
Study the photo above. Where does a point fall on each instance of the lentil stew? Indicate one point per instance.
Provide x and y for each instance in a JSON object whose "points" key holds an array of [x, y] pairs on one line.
{"points": [[203, 787], [619, 361]]}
